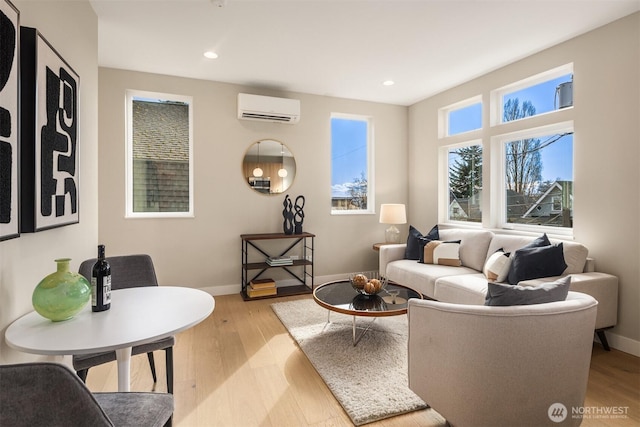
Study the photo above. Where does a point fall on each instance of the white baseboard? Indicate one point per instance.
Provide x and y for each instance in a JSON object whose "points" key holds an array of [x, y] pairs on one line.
{"points": [[622, 343]]}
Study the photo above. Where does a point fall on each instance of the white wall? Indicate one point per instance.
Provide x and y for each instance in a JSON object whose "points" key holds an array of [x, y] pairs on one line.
{"points": [[204, 252], [72, 28], [606, 197]]}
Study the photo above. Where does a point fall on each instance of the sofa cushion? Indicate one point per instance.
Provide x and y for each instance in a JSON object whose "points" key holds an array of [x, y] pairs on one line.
{"points": [[422, 277], [416, 241], [461, 289], [575, 255], [496, 269], [442, 253], [474, 245], [499, 294], [534, 262]]}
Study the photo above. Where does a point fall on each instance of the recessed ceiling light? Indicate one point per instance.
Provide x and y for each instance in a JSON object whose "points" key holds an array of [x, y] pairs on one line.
{"points": [[210, 54], [388, 82]]}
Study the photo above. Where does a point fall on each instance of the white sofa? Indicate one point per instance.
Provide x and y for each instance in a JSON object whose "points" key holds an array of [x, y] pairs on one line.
{"points": [[467, 283], [469, 363]]}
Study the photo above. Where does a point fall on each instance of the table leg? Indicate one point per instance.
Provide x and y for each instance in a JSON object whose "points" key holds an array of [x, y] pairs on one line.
{"points": [[123, 357], [357, 340]]}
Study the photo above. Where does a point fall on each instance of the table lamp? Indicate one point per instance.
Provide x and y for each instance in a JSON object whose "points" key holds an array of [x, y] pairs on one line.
{"points": [[392, 213]]}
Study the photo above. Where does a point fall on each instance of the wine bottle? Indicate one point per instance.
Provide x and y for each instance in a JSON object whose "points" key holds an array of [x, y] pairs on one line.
{"points": [[101, 283]]}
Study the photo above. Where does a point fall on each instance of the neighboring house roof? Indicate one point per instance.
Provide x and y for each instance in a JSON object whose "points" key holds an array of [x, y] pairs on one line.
{"points": [[544, 205], [456, 210], [161, 131], [466, 207]]}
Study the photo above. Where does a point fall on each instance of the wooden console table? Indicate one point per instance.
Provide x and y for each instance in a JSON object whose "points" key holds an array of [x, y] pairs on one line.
{"points": [[301, 269]]}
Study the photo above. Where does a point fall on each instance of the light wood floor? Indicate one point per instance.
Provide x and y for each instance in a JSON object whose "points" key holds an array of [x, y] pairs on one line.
{"points": [[241, 368]]}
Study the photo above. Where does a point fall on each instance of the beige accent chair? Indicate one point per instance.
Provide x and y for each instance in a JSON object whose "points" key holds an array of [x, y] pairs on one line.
{"points": [[502, 366]]}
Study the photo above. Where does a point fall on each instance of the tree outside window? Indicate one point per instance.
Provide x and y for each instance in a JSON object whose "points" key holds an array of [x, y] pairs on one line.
{"points": [[465, 183]]}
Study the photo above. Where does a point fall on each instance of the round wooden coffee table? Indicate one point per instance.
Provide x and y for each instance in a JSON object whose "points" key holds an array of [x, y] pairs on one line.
{"points": [[339, 296]]}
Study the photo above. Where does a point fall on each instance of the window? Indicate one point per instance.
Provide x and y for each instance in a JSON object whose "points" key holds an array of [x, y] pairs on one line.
{"points": [[464, 116], [528, 179], [538, 177], [351, 164], [543, 93], [159, 155], [464, 164]]}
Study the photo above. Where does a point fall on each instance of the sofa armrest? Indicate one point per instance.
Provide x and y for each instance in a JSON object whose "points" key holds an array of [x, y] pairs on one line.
{"points": [[390, 253], [604, 288]]}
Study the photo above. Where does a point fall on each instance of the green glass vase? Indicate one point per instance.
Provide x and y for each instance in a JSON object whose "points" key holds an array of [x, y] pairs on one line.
{"points": [[61, 295]]}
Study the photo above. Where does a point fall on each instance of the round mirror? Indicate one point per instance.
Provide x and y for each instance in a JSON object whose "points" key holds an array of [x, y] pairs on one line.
{"points": [[269, 167]]}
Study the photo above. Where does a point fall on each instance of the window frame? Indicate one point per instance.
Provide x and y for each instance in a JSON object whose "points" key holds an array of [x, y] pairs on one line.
{"points": [[498, 199], [496, 115], [370, 164], [444, 112], [492, 136], [443, 176], [130, 94]]}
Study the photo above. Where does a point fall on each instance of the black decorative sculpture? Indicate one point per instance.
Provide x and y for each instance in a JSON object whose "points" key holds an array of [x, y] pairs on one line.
{"points": [[298, 217], [287, 213]]}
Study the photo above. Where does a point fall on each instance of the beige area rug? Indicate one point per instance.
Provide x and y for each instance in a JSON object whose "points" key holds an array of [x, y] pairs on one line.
{"points": [[370, 379]]}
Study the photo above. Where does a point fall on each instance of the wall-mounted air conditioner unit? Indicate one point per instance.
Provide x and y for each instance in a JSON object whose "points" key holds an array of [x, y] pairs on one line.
{"points": [[268, 108]]}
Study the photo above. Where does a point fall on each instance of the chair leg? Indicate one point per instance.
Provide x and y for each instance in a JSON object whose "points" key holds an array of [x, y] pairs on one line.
{"points": [[169, 355], [152, 364], [83, 374]]}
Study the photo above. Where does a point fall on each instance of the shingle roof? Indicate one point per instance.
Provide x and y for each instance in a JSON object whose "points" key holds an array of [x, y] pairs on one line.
{"points": [[160, 131]]}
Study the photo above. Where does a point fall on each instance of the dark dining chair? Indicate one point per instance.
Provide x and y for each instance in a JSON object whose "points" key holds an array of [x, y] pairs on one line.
{"points": [[127, 271], [50, 394]]}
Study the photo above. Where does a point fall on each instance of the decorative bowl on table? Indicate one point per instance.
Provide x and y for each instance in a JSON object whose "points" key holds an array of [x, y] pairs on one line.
{"points": [[368, 283]]}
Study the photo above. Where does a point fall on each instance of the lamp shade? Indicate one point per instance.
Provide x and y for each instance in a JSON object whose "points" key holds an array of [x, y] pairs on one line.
{"points": [[393, 213]]}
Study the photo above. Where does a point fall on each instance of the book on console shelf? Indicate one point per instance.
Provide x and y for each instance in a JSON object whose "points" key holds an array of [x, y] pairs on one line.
{"points": [[261, 288], [262, 284], [279, 260]]}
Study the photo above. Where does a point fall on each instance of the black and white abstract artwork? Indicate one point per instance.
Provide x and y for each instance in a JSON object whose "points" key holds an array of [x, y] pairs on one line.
{"points": [[9, 184], [49, 156]]}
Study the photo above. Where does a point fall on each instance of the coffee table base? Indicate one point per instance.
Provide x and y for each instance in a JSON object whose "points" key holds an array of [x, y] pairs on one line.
{"points": [[341, 297], [355, 339]]}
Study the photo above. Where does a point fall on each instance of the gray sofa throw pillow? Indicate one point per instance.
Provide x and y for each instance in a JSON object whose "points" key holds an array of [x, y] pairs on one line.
{"points": [[503, 295]]}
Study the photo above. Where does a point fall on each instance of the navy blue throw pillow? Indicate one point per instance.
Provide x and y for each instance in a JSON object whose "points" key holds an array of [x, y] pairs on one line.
{"points": [[532, 263], [416, 241], [539, 242]]}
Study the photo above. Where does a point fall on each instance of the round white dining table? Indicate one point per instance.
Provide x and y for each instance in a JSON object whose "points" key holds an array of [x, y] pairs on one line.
{"points": [[137, 316]]}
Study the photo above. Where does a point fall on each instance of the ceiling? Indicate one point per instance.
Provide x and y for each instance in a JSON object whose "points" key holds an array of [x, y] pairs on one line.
{"points": [[341, 48]]}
